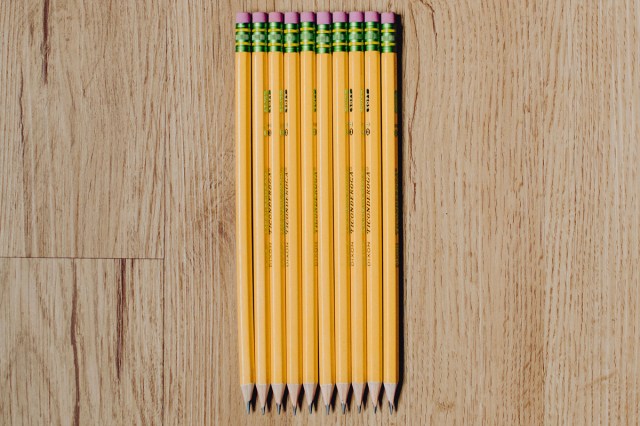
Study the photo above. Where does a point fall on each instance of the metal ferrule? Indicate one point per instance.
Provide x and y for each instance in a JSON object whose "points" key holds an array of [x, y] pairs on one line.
{"points": [[243, 37], [388, 38], [323, 38], [259, 36], [275, 37], [356, 36], [339, 37], [371, 36]]}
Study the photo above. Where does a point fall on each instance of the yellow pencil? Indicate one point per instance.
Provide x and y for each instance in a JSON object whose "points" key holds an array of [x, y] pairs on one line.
{"points": [[390, 212], [373, 203], [325, 209], [276, 225], [390, 217], [291, 204], [260, 157], [243, 205], [357, 207], [309, 206], [340, 73]]}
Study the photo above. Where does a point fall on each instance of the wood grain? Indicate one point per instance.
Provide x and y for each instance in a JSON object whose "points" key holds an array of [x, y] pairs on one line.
{"points": [[81, 341], [82, 92], [521, 212], [592, 214]]}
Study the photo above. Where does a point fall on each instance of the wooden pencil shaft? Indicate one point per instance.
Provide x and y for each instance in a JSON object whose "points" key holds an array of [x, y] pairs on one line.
{"points": [[308, 174], [292, 226], [260, 159], [325, 214], [276, 223], [390, 216], [243, 211], [341, 212], [373, 210], [357, 214]]}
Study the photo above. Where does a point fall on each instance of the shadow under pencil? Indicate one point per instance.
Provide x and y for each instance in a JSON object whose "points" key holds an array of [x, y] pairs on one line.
{"points": [[400, 213]]}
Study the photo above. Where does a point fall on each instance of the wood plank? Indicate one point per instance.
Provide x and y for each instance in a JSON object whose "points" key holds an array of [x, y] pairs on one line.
{"points": [[82, 93], [520, 198], [521, 221], [472, 248], [200, 222], [470, 188], [80, 341], [592, 213]]}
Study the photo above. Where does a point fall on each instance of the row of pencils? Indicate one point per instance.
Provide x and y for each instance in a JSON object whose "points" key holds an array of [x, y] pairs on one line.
{"points": [[317, 204]]}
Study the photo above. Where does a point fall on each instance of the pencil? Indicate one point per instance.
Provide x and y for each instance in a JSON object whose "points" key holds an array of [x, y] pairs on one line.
{"points": [[276, 225], [291, 204], [325, 209], [373, 204], [309, 206], [243, 205], [260, 158], [340, 61], [390, 203], [357, 207]]}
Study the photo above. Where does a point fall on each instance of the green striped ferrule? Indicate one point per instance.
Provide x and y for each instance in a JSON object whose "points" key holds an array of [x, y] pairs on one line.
{"points": [[275, 37], [356, 36], [339, 37], [291, 38], [323, 38], [388, 38], [307, 37], [259, 36], [243, 37], [371, 36]]}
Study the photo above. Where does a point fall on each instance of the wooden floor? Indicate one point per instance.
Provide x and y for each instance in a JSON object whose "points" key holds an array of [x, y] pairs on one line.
{"points": [[521, 212]]}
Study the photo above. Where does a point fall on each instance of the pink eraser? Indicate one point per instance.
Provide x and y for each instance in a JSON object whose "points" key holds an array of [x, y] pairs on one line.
{"points": [[388, 18], [370, 16], [291, 18], [324, 18], [259, 17], [276, 17], [356, 17], [339, 17], [243, 18], [307, 17]]}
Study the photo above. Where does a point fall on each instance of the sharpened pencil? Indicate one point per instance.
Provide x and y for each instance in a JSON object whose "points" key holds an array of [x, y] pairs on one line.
{"points": [[340, 72], [308, 173], [390, 206], [357, 208], [276, 226], [292, 204], [260, 159], [326, 330], [243, 205], [374, 207]]}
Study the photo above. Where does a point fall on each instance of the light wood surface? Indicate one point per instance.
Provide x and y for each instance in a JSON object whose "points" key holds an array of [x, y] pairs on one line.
{"points": [[521, 213], [81, 341], [83, 122]]}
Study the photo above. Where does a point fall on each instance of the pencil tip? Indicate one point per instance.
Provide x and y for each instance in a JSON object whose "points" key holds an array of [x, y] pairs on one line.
{"points": [[278, 407], [375, 408], [310, 408], [390, 408], [263, 411], [359, 409], [344, 409], [248, 407], [247, 392], [295, 410], [358, 392], [327, 407], [263, 391]]}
